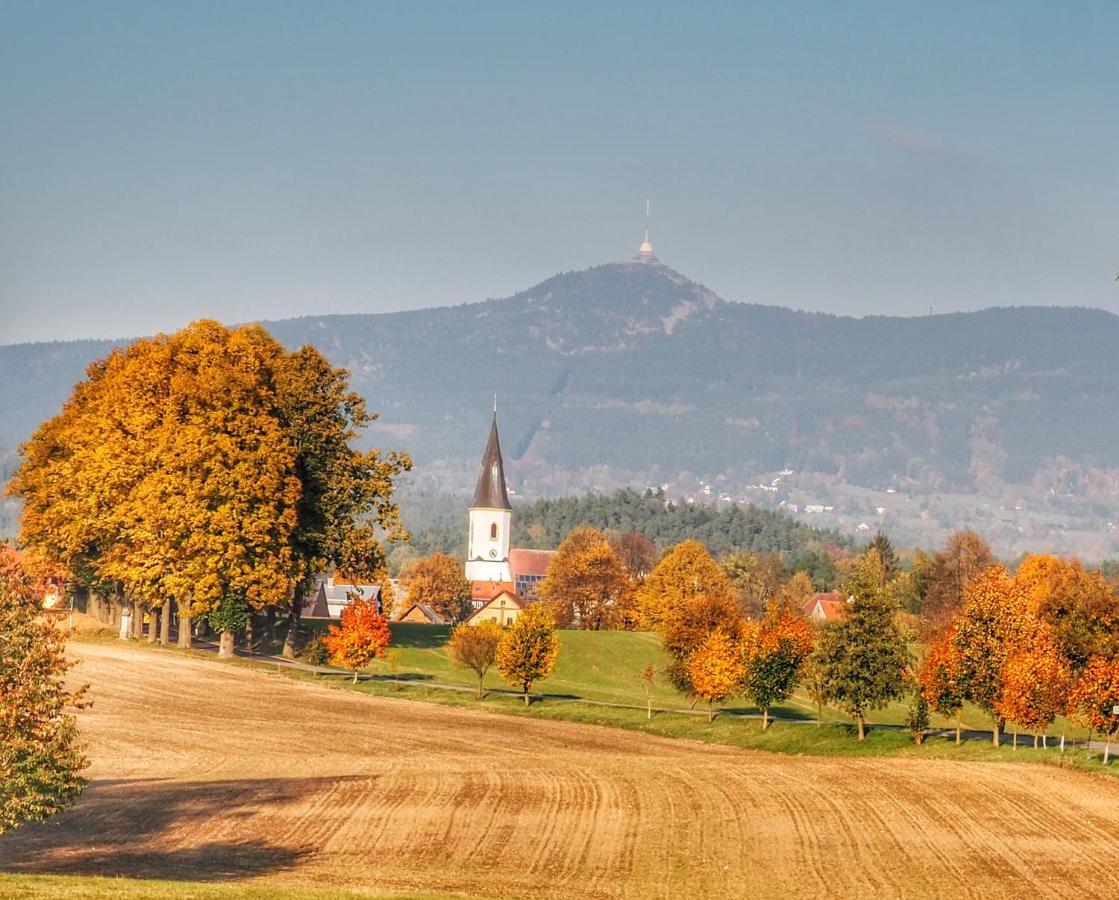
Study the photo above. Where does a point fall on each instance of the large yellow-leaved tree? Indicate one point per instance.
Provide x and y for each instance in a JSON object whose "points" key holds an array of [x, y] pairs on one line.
{"points": [[209, 468]]}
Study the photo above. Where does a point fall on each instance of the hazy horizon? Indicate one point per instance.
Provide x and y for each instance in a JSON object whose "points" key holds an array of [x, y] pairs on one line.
{"points": [[271, 160]]}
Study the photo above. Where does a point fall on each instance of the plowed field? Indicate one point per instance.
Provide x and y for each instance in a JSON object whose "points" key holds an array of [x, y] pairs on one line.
{"points": [[210, 772]]}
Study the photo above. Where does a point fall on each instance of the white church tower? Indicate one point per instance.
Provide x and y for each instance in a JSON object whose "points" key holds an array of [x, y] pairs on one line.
{"points": [[487, 558]]}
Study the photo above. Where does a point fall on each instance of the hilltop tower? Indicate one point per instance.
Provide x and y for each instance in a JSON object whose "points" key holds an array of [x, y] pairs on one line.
{"points": [[645, 252], [487, 557]]}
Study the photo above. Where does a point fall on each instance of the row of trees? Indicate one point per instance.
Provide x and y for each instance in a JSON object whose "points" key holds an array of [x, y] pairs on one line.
{"points": [[1030, 647], [718, 652], [524, 653], [210, 470]]}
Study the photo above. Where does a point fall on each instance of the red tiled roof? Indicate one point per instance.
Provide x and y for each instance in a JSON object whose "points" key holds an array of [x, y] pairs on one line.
{"points": [[831, 606], [529, 562]]}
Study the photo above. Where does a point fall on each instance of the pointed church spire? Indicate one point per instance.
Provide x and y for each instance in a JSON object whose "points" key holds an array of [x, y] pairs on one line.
{"points": [[490, 492], [645, 251]]}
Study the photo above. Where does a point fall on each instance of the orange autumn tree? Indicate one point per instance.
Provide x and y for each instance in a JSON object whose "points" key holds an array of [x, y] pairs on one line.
{"points": [[1035, 687], [438, 581], [774, 652], [939, 680], [716, 669], [362, 636], [586, 585], [685, 572], [994, 624], [528, 649], [1095, 697], [1079, 606]]}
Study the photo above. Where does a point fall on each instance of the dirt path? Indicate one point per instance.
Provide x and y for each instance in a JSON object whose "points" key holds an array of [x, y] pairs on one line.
{"points": [[211, 772]]}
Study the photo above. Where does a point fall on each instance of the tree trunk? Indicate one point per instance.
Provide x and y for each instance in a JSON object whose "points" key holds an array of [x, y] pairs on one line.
{"points": [[648, 707], [995, 734], [481, 678], [959, 726], [270, 626], [765, 718], [293, 629], [184, 630], [710, 711], [1107, 749], [225, 645], [249, 632], [137, 621], [862, 727], [1035, 740], [153, 626], [126, 622], [165, 624], [1014, 740], [527, 701], [355, 676], [819, 714]]}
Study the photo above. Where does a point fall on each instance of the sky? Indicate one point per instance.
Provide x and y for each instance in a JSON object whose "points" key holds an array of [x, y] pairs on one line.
{"points": [[163, 162]]}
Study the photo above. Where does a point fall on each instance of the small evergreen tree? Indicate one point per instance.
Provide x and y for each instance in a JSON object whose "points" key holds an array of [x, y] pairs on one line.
{"points": [[918, 719], [775, 650], [863, 656]]}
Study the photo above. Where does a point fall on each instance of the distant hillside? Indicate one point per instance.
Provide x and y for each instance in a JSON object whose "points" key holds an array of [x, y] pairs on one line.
{"points": [[439, 524], [630, 374]]}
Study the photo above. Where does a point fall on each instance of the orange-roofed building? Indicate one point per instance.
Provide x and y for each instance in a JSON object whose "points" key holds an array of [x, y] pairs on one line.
{"points": [[827, 607]]}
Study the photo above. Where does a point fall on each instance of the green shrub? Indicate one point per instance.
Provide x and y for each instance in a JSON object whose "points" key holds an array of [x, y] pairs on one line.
{"points": [[316, 653]]}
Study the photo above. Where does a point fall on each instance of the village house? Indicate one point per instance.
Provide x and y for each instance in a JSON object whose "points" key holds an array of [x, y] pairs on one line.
{"points": [[422, 614], [333, 592], [826, 607]]}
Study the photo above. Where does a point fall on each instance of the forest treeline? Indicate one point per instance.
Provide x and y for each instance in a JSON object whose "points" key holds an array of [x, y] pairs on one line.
{"points": [[437, 525]]}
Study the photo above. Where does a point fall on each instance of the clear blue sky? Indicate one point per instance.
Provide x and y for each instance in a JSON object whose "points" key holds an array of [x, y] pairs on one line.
{"points": [[160, 162]]}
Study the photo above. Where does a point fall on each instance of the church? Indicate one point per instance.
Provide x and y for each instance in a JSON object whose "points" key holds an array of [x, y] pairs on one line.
{"points": [[503, 579]]}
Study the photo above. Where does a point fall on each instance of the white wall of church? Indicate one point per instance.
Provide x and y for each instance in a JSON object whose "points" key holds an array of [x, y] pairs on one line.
{"points": [[487, 556]]}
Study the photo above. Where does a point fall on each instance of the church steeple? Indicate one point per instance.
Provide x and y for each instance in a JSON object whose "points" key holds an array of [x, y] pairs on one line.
{"points": [[490, 492], [491, 521], [645, 251]]}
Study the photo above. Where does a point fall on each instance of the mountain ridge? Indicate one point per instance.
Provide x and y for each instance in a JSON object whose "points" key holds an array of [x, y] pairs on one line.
{"points": [[631, 374]]}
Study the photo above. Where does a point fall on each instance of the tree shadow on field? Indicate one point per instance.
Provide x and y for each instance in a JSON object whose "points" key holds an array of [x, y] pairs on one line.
{"points": [[170, 830], [418, 635]]}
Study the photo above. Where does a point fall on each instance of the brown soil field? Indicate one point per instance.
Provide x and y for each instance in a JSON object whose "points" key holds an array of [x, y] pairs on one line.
{"points": [[216, 773]]}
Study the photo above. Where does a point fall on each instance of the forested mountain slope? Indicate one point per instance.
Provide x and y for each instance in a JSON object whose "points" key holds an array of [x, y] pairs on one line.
{"points": [[631, 374]]}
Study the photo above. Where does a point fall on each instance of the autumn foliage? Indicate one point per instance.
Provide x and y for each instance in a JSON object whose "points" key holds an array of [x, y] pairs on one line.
{"points": [[362, 636], [528, 649], [40, 758], [586, 585], [438, 581], [210, 467], [716, 669], [1095, 696], [475, 646], [687, 571], [774, 652]]}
